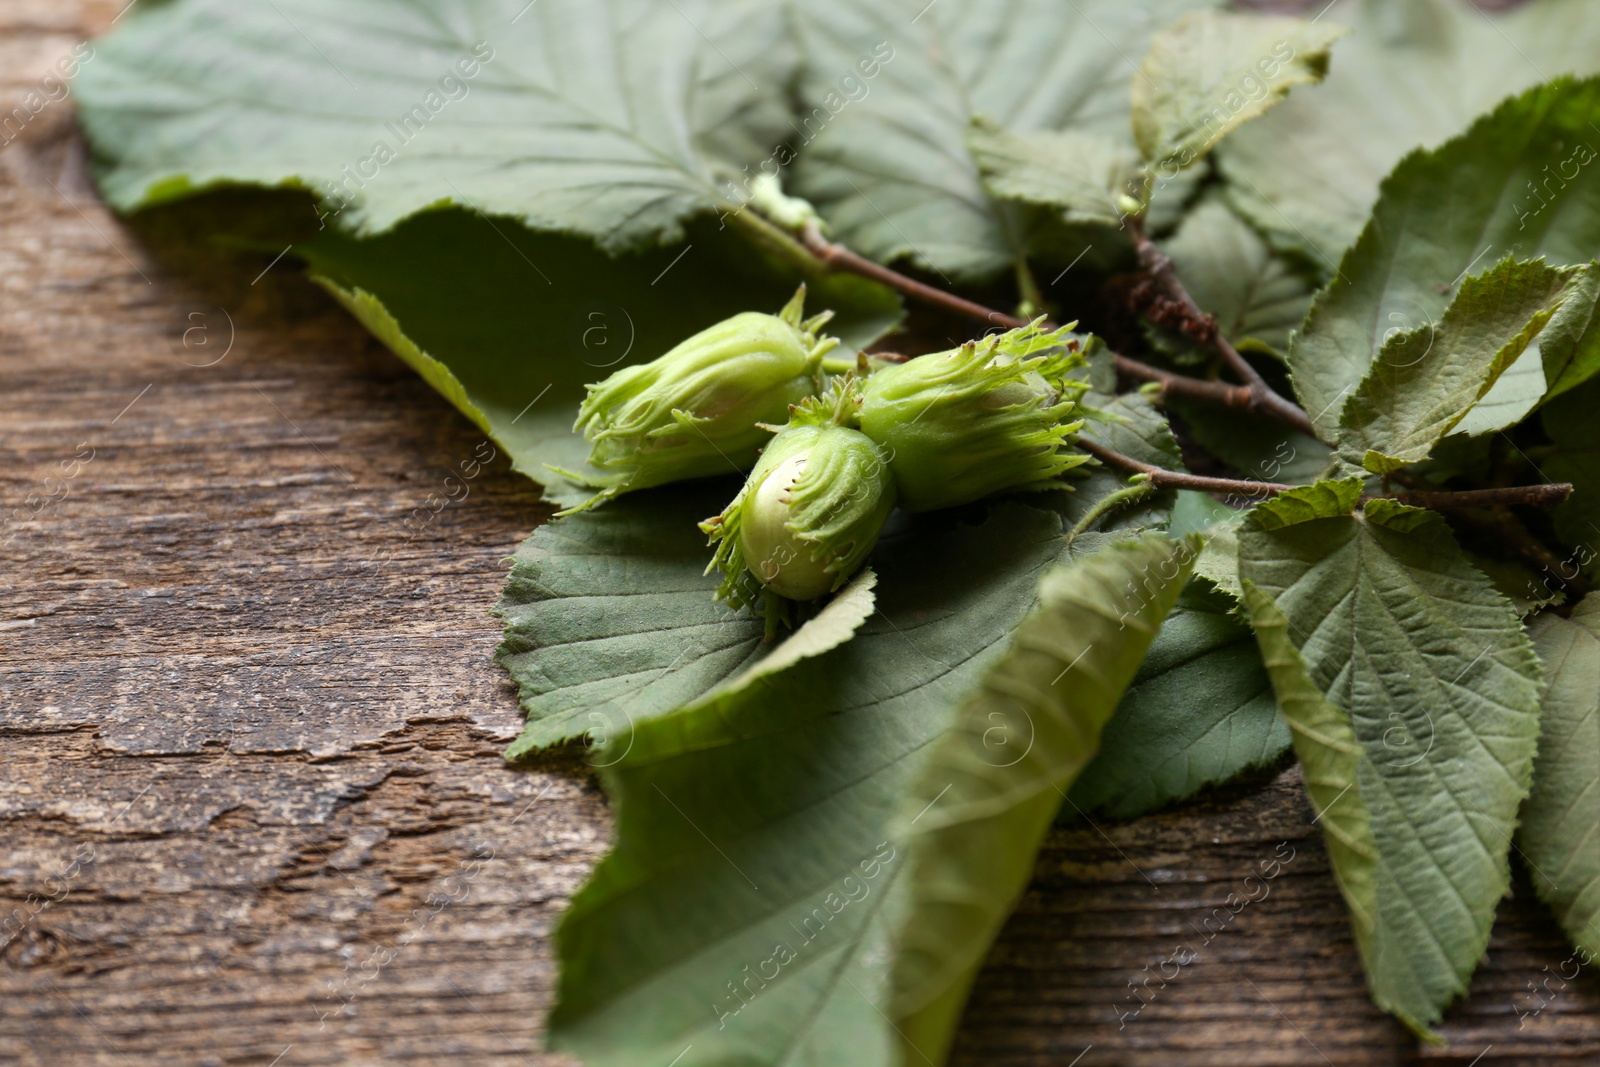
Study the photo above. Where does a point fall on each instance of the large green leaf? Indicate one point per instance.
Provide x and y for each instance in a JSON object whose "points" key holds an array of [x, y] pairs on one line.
{"points": [[1082, 173], [1257, 449], [1443, 213], [616, 119], [1218, 562], [992, 784], [831, 626], [1331, 761], [1412, 72], [613, 121], [588, 650], [742, 915], [584, 607], [1212, 71], [510, 325], [1560, 832], [1440, 685], [1131, 424], [886, 158], [1570, 421], [1199, 712], [1425, 381], [1570, 345], [1256, 297]]}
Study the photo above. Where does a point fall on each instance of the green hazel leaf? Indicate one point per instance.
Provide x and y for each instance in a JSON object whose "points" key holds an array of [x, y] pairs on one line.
{"points": [[745, 911], [1426, 380], [1083, 173], [1564, 355], [1131, 424], [583, 610], [1213, 71], [991, 785], [891, 89], [1402, 634], [829, 628], [1331, 760], [1513, 395], [1570, 421], [616, 120], [1257, 449], [1561, 816], [1306, 503], [1411, 72], [1194, 512], [1198, 713], [1218, 562], [1441, 214], [510, 325], [1570, 345], [1090, 486], [1255, 296], [1218, 524]]}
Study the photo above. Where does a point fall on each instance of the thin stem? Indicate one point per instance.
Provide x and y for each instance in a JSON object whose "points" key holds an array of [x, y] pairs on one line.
{"points": [[839, 257], [1109, 503], [1255, 394], [1028, 286], [1232, 396], [1547, 495], [1243, 398], [1539, 496], [1263, 397], [1162, 478], [779, 240]]}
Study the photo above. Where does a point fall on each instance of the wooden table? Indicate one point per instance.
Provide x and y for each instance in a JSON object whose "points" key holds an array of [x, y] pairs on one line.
{"points": [[244, 763]]}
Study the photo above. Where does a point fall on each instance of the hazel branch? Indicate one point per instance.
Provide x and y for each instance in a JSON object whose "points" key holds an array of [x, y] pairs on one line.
{"points": [[1263, 397], [1165, 479], [1537, 496], [1547, 495], [838, 257], [1243, 398], [1232, 396]]}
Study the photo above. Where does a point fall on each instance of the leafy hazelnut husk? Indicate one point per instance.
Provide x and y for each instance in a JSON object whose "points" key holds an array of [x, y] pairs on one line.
{"points": [[695, 411], [993, 415], [809, 513]]}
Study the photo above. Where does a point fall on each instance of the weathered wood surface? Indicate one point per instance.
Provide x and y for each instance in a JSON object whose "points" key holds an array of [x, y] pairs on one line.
{"points": [[240, 760]]}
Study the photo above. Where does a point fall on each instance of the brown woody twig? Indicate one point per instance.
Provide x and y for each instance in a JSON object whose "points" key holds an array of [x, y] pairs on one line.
{"points": [[1547, 495], [1256, 395], [839, 257], [1263, 397], [1165, 479], [1232, 396], [1537, 496]]}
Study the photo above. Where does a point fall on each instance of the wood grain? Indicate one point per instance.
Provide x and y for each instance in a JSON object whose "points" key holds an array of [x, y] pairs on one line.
{"points": [[253, 808]]}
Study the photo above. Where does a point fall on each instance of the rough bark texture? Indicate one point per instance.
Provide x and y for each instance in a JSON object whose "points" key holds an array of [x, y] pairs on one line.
{"points": [[252, 806]]}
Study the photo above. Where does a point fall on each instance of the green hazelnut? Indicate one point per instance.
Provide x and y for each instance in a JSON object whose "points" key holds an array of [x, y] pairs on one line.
{"points": [[695, 411]]}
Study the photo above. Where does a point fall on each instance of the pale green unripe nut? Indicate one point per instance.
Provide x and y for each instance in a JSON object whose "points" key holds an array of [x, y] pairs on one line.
{"points": [[775, 554], [990, 416], [810, 512], [694, 412]]}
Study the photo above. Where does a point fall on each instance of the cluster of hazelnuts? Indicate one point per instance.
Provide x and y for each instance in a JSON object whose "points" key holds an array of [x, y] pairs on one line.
{"points": [[830, 455]]}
